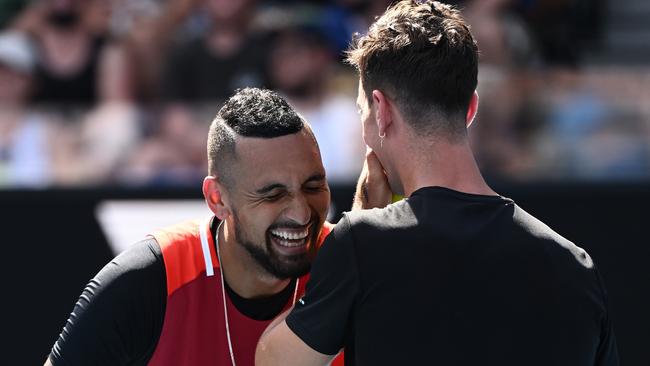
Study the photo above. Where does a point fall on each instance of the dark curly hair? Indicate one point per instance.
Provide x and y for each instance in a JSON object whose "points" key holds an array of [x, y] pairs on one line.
{"points": [[250, 112], [423, 56]]}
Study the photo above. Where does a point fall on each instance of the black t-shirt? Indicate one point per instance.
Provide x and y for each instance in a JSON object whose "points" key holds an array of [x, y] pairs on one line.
{"points": [[451, 278], [119, 315], [77, 89]]}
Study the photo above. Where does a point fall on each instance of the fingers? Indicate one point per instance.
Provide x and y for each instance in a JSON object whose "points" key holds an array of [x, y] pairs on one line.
{"points": [[374, 165], [373, 189]]}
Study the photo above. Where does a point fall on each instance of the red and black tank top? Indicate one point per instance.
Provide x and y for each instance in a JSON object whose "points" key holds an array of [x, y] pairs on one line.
{"points": [[194, 329]]}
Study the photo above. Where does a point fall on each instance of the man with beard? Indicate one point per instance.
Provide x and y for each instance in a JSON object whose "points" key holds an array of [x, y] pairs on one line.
{"points": [[202, 292], [454, 274]]}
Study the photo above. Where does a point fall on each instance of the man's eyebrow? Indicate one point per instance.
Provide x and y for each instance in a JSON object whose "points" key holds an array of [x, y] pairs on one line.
{"points": [[269, 187], [316, 178]]}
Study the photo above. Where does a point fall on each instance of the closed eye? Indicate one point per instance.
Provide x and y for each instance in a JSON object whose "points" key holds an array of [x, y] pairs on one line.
{"points": [[315, 183], [274, 196], [315, 189]]}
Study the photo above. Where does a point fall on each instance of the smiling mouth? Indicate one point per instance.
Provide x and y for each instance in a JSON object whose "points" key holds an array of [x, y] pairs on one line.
{"points": [[290, 241]]}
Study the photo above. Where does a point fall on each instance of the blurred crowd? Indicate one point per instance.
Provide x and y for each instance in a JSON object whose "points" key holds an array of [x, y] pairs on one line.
{"points": [[121, 92]]}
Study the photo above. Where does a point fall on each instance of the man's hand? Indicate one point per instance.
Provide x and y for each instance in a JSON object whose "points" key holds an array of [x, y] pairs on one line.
{"points": [[372, 188]]}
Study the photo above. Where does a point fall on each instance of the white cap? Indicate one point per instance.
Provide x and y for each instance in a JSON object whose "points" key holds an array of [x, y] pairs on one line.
{"points": [[16, 51]]}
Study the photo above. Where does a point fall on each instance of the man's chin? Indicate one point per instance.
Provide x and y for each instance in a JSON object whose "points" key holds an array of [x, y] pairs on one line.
{"points": [[293, 271], [291, 266]]}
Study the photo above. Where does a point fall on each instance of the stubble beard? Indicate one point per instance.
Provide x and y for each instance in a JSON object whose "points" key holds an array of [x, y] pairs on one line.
{"points": [[273, 263]]}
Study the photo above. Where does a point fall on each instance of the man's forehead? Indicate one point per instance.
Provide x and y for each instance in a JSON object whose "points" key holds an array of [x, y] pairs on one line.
{"points": [[280, 158]]}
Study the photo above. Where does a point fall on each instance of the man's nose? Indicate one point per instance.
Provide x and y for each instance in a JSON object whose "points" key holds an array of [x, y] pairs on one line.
{"points": [[298, 210]]}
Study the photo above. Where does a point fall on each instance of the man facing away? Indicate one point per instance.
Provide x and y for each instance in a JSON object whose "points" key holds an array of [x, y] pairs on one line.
{"points": [[454, 274], [202, 292]]}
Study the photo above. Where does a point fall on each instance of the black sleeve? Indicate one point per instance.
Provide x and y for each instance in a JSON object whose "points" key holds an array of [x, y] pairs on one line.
{"points": [[118, 317], [322, 316]]}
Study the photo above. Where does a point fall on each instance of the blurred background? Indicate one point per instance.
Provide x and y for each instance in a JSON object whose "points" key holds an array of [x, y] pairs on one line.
{"points": [[105, 107]]}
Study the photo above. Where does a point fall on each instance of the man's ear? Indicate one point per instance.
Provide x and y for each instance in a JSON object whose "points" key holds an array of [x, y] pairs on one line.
{"points": [[384, 110], [472, 109], [213, 191]]}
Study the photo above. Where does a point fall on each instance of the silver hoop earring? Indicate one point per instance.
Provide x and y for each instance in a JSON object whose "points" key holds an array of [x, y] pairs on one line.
{"points": [[381, 139]]}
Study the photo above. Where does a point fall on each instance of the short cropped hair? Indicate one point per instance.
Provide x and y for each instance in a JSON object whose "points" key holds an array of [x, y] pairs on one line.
{"points": [[250, 112], [423, 56]]}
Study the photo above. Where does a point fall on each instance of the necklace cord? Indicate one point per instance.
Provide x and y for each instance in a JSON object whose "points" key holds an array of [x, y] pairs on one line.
{"points": [[223, 294]]}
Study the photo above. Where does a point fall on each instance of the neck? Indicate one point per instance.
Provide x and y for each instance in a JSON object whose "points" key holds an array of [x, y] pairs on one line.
{"points": [[444, 164], [242, 273]]}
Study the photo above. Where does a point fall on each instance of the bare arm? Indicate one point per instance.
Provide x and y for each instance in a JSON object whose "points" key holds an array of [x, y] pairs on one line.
{"points": [[372, 188], [280, 346]]}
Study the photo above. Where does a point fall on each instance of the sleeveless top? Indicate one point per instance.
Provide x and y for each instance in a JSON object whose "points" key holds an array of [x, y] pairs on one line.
{"points": [[194, 328]]}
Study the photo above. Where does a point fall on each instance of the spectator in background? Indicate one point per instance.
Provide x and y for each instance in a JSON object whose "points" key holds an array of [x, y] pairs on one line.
{"points": [[508, 54], [564, 27], [24, 158], [336, 19], [148, 28], [587, 134], [228, 56], [303, 68], [104, 137], [172, 155], [69, 36], [142, 27], [503, 36], [510, 116]]}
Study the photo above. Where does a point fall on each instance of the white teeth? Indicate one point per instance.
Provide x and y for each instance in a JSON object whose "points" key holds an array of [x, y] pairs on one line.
{"points": [[286, 243], [290, 235]]}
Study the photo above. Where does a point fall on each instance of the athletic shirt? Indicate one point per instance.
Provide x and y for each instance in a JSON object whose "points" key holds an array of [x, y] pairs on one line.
{"points": [[451, 278], [118, 319], [194, 330]]}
